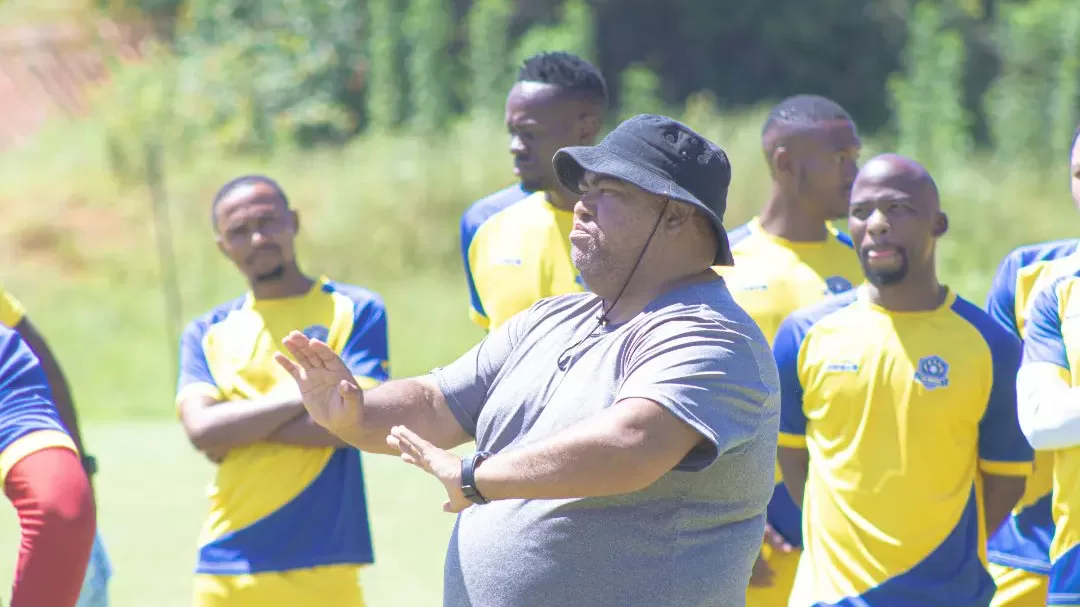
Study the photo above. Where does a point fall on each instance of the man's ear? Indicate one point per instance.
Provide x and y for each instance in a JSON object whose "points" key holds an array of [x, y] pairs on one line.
{"points": [[588, 128], [782, 161], [677, 214], [295, 215], [941, 225]]}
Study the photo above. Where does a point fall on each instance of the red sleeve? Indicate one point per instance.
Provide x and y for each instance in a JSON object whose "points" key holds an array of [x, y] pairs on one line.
{"points": [[51, 493]]}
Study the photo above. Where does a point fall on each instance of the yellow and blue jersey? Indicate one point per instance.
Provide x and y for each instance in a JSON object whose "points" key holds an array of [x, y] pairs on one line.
{"points": [[1023, 541], [289, 522], [28, 420], [12, 311], [516, 249], [1053, 337], [900, 411], [773, 277]]}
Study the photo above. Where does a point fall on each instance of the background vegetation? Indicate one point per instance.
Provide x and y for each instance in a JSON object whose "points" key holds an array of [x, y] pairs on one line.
{"points": [[383, 121]]}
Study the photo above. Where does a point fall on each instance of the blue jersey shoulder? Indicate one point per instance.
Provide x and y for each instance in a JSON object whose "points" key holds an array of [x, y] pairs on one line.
{"points": [[359, 295], [481, 210]]}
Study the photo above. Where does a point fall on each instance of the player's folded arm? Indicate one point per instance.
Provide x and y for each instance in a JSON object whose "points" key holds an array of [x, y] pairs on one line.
{"points": [[1048, 406]]}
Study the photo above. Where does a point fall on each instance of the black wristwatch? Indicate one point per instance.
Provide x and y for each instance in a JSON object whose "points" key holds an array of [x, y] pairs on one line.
{"points": [[468, 477], [89, 464]]}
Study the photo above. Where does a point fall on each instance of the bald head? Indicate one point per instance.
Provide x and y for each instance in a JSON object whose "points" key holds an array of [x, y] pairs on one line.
{"points": [[895, 219], [895, 177]]}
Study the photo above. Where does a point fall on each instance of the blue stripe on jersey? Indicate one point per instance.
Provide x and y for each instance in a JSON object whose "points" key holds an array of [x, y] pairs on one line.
{"points": [[950, 576], [473, 218], [1000, 437], [1065, 579], [784, 516], [845, 239], [325, 524], [1023, 541], [366, 353]]}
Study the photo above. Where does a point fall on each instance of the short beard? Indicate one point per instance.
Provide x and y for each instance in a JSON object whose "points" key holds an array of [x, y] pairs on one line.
{"points": [[886, 278], [276, 274]]}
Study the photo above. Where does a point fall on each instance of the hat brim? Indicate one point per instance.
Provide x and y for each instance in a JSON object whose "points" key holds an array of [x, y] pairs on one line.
{"points": [[572, 163]]}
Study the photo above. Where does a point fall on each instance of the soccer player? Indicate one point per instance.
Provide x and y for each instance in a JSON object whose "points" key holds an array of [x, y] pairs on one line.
{"points": [[899, 433], [288, 520], [1019, 553], [788, 257], [13, 316], [515, 242], [44, 479]]}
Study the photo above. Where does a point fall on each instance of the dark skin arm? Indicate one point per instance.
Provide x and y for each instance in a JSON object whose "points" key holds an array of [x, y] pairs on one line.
{"points": [[302, 431], [216, 427], [1000, 496], [795, 465], [58, 384]]}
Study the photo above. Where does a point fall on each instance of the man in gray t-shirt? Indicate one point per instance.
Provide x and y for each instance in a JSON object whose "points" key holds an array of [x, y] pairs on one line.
{"points": [[625, 437]]}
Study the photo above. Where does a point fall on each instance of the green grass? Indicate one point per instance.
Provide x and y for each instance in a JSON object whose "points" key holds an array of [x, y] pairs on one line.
{"points": [[150, 494]]}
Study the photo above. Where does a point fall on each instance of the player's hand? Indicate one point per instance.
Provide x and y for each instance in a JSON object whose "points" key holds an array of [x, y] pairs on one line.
{"points": [[776, 541], [437, 462], [761, 576], [330, 393]]}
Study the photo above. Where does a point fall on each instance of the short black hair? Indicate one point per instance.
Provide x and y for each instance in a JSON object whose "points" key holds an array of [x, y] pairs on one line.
{"points": [[243, 180], [804, 110], [567, 72]]}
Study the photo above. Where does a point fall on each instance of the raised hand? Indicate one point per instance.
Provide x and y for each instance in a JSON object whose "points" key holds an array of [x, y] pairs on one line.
{"points": [[331, 395], [437, 462]]}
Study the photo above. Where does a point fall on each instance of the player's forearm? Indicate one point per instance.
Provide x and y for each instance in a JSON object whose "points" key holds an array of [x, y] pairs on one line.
{"points": [[795, 467], [1000, 496], [232, 424], [607, 454], [1048, 408], [52, 496], [302, 431], [416, 403]]}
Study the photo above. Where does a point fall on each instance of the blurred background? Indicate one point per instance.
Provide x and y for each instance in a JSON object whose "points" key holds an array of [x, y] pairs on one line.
{"points": [[382, 119]]}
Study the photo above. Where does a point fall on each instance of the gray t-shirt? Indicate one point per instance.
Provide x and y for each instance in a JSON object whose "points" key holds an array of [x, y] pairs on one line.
{"points": [[689, 539]]}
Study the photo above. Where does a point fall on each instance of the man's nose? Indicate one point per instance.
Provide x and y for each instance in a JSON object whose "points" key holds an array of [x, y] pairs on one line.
{"points": [[877, 223], [517, 146]]}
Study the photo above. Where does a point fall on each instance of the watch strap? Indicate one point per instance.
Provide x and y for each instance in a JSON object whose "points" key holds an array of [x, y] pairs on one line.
{"points": [[468, 476]]}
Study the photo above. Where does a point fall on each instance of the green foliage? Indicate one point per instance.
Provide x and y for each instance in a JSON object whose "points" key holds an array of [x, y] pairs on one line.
{"points": [[428, 32], [931, 122], [1032, 93], [489, 44], [1065, 113], [386, 84], [639, 92], [574, 33]]}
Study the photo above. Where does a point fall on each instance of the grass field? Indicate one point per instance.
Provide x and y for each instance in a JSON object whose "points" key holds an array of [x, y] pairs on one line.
{"points": [[150, 494]]}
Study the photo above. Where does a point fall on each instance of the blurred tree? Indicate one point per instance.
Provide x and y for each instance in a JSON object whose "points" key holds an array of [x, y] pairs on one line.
{"points": [[386, 84], [428, 31], [489, 65], [639, 92], [574, 32], [926, 99], [1020, 105]]}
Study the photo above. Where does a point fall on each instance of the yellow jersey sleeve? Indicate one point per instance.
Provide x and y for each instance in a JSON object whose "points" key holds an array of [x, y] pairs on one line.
{"points": [[12, 311]]}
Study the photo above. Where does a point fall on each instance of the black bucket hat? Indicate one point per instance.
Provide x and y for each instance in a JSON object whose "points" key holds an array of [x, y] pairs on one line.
{"points": [[662, 156]]}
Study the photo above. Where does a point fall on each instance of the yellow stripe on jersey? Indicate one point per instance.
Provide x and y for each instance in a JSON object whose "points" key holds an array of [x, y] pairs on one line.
{"points": [[28, 445], [518, 256], [278, 509], [1053, 338], [11, 310], [899, 412]]}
